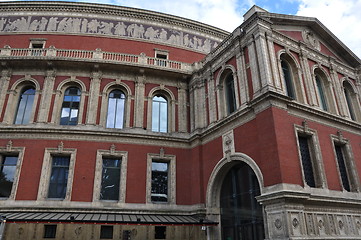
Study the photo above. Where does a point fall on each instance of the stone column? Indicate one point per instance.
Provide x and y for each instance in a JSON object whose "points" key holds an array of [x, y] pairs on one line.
{"points": [[93, 100], [212, 111], [242, 78], [139, 100], [253, 64], [4, 85], [46, 96], [182, 107], [309, 86]]}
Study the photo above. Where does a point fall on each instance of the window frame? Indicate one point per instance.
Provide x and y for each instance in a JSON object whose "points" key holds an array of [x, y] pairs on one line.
{"points": [[112, 153], [159, 117], [9, 150], [55, 226], [124, 109], [31, 110], [321, 93], [351, 102], [230, 89], [171, 160], [289, 84], [71, 107], [161, 57], [349, 161], [319, 175], [47, 168], [101, 236]]}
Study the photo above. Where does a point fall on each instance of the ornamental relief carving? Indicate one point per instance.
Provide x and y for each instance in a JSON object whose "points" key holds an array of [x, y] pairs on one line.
{"points": [[310, 39], [109, 27]]}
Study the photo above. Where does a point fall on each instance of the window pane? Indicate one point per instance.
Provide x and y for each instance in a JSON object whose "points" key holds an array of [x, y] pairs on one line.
{"points": [[349, 103], [159, 182], [321, 93], [49, 231], [342, 167], [230, 94], [70, 107], [106, 232], [59, 177], [7, 174], [155, 116], [306, 161], [159, 114], [25, 106], [110, 179], [116, 103], [288, 79]]}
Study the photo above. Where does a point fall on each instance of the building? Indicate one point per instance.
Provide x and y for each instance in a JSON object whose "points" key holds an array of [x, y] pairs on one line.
{"points": [[122, 123]]}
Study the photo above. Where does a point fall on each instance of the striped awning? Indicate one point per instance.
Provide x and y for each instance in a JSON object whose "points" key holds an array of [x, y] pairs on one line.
{"points": [[104, 218]]}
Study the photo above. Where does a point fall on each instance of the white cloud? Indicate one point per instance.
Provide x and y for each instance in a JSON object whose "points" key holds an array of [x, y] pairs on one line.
{"points": [[224, 14], [341, 17]]}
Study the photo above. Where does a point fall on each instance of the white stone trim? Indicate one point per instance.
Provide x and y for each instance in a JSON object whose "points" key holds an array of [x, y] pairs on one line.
{"points": [[47, 168], [171, 160], [19, 151], [98, 174]]}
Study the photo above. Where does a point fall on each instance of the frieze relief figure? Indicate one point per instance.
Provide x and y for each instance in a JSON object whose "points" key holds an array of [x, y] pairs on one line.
{"points": [[84, 25]]}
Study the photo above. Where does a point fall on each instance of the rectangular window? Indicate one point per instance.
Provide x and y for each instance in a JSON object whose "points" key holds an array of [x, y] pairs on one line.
{"points": [[160, 232], [110, 184], [37, 46], [49, 231], [106, 232], [306, 159], [162, 56], [7, 174], [59, 177], [339, 150], [159, 181]]}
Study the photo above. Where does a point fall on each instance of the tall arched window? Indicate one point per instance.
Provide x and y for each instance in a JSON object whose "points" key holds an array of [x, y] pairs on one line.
{"points": [[70, 107], [241, 214], [159, 114], [230, 94], [287, 75], [25, 106], [347, 91], [321, 93], [116, 104]]}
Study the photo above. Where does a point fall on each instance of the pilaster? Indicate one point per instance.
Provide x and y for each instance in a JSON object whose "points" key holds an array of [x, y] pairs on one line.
{"points": [[139, 100], [93, 97], [211, 97], [309, 86], [182, 107], [4, 85], [46, 96]]}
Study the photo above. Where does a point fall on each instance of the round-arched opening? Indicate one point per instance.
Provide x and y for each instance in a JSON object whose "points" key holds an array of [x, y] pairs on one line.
{"points": [[241, 214]]}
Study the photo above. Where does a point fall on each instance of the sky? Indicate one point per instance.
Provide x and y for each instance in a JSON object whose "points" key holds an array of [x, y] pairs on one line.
{"points": [[341, 17]]}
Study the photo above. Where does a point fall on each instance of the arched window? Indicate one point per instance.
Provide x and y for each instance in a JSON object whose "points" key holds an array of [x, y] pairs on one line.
{"points": [[230, 94], [116, 104], [321, 93], [70, 107], [348, 95], [287, 75], [25, 106], [241, 214], [159, 114]]}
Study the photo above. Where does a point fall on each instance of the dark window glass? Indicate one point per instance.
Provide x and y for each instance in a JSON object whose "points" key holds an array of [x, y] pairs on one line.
{"points": [[321, 93], [8, 168], [25, 106], [241, 214], [160, 232], [159, 114], [59, 177], [116, 104], [106, 232], [349, 103], [127, 234], [230, 94], [70, 107], [110, 179], [288, 79], [342, 167], [159, 182], [49, 231], [306, 160]]}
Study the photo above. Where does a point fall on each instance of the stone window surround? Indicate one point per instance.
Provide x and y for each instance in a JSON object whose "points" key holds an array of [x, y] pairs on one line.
{"points": [[349, 159], [295, 68], [171, 160], [59, 98], [161, 52], [168, 95], [354, 99], [105, 98], [98, 173], [47, 168], [315, 152], [14, 95], [327, 88], [221, 90], [11, 151], [37, 41]]}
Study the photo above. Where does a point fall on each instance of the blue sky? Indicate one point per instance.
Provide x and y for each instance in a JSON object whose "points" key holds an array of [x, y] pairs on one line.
{"points": [[342, 17]]}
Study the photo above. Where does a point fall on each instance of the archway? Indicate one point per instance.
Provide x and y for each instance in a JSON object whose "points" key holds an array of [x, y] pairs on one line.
{"points": [[241, 214]]}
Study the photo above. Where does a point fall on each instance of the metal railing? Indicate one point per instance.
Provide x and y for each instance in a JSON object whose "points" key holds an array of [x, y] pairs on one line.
{"points": [[98, 55]]}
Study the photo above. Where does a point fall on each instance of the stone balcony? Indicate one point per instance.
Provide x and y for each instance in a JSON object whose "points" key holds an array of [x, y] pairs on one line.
{"points": [[97, 56]]}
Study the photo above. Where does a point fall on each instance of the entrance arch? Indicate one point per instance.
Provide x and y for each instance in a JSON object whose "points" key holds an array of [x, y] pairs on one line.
{"points": [[232, 188]]}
